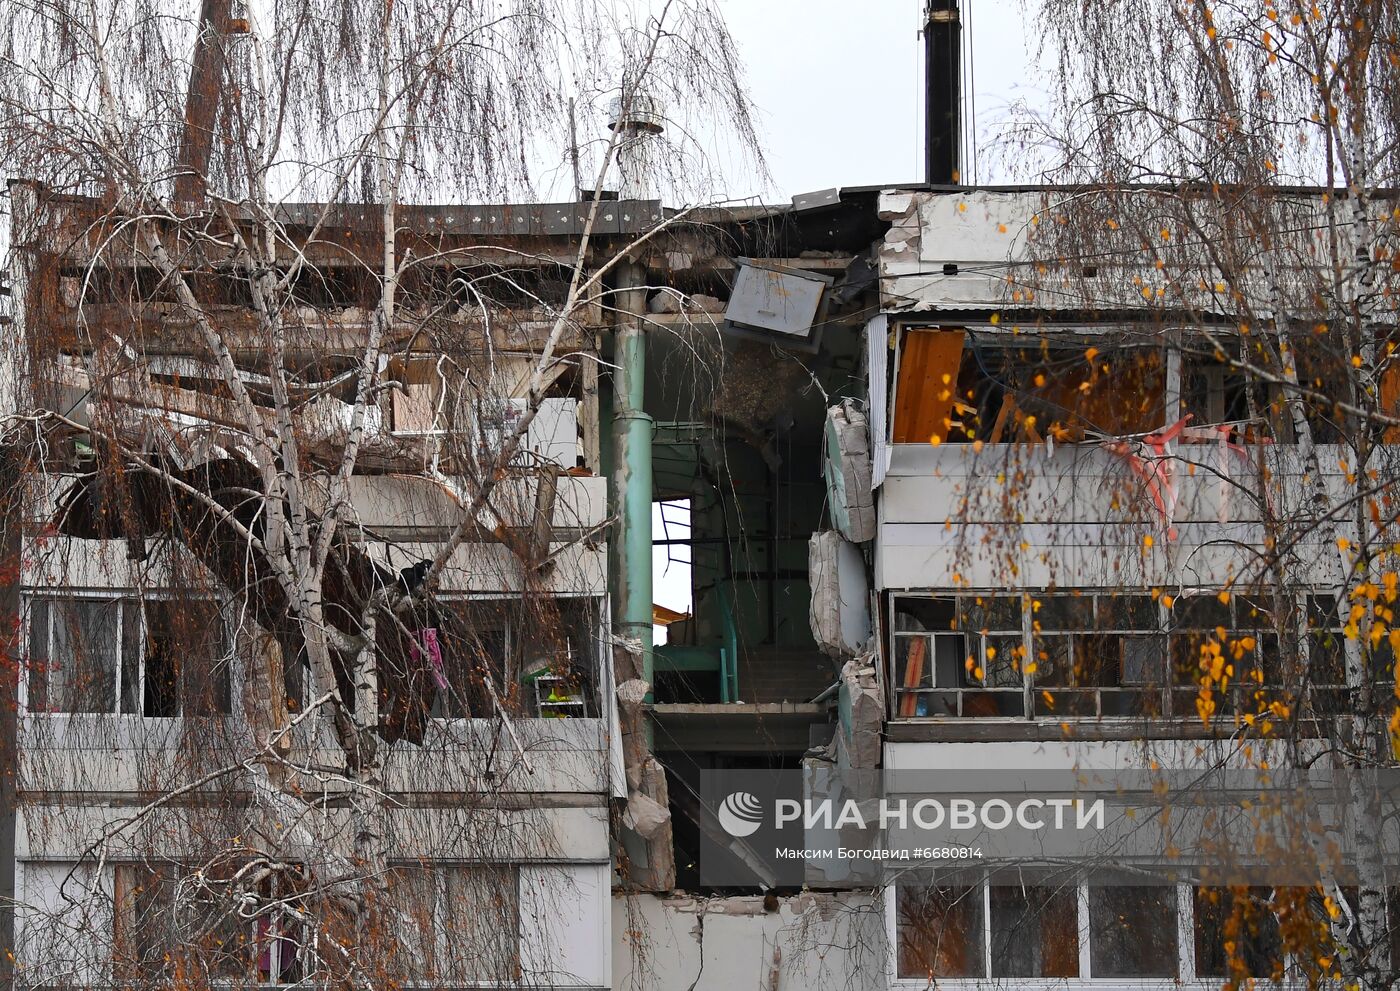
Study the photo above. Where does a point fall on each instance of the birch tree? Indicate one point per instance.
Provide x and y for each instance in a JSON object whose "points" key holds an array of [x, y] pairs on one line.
{"points": [[244, 179], [1226, 171]]}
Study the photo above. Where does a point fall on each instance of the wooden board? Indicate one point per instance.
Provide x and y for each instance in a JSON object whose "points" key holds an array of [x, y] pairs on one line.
{"points": [[928, 380], [913, 674]]}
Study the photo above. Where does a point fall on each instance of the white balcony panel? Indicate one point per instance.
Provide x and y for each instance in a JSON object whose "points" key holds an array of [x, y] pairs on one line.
{"points": [[495, 832]]}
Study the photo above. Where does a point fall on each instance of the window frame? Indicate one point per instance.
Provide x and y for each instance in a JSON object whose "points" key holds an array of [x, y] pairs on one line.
{"points": [[1169, 692], [1176, 357], [1186, 934], [122, 598], [984, 335], [127, 918], [439, 869], [589, 704]]}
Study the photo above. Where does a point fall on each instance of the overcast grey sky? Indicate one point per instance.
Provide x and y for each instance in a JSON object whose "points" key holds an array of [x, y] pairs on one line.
{"points": [[839, 88], [839, 84]]}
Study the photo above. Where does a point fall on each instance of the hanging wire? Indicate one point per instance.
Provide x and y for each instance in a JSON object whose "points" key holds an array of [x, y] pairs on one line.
{"points": [[971, 90]]}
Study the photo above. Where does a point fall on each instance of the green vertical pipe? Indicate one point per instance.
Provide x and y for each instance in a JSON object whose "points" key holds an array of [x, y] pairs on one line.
{"points": [[632, 486], [729, 666]]}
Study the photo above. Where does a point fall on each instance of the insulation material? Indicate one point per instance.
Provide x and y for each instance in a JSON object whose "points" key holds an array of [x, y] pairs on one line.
{"points": [[645, 816], [847, 470], [840, 611], [928, 377], [877, 366]]}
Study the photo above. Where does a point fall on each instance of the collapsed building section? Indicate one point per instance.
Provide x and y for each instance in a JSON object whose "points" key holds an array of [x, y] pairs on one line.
{"points": [[893, 513], [482, 498]]}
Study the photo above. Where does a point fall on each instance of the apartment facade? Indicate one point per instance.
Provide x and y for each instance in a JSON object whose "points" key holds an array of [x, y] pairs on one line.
{"points": [[1074, 493], [937, 511], [179, 799]]}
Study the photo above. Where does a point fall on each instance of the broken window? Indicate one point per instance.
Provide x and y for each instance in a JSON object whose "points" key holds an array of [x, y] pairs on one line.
{"points": [[540, 657], [1097, 655], [1074, 392], [1086, 655], [959, 388], [1215, 394], [1324, 372], [926, 389], [1212, 391], [463, 922], [435, 395], [1240, 630], [557, 650], [185, 660], [469, 647], [672, 570], [108, 655], [952, 663]]}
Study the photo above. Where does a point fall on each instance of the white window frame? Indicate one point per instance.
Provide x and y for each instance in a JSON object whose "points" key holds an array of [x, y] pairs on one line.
{"points": [[976, 641], [1186, 951], [438, 869], [119, 596]]}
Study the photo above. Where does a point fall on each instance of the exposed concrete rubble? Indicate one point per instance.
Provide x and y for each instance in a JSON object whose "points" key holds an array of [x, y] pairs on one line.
{"points": [[607, 761], [756, 394], [646, 820], [669, 302], [773, 943], [862, 714]]}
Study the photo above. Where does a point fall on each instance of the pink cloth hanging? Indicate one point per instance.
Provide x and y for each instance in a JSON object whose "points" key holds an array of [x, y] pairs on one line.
{"points": [[1150, 459], [425, 641]]}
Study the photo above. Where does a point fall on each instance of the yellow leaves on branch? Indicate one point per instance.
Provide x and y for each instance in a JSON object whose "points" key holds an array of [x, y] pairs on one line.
{"points": [[1371, 621], [1216, 671]]}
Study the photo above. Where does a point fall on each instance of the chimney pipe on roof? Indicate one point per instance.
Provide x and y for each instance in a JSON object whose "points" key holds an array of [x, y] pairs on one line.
{"points": [[641, 120], [942, 93]]}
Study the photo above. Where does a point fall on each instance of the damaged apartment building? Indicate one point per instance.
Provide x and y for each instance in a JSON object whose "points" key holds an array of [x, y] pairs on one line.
{"points": [[539, 754], [925, 504]]}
